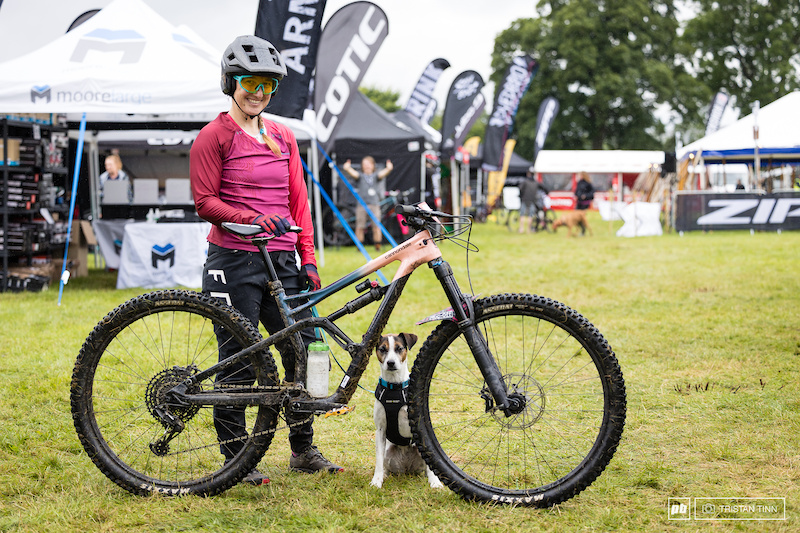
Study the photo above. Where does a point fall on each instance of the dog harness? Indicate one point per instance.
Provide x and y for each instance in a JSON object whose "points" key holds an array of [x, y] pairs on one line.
{"points": [[393, 397]]}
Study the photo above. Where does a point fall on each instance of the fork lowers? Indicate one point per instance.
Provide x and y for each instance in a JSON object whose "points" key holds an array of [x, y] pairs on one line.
{"points": [[464, 313]]}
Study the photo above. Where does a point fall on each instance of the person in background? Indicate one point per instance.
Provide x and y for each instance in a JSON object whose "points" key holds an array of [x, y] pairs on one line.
{"points": [[584, 192], [114, 172], [739, 185], [372, 189], [247, 170], [531, 194]]}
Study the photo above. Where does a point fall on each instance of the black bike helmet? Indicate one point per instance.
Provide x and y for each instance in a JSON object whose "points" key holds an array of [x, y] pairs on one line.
{"points": [[248, 54]]}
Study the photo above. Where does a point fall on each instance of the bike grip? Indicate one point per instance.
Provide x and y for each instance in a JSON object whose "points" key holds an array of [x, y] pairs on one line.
{"points": [[295, 229], [401, 209]]}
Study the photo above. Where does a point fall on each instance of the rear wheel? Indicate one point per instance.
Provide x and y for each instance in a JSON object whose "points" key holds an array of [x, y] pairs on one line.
{"points": [[121, 405], [562, 371]]}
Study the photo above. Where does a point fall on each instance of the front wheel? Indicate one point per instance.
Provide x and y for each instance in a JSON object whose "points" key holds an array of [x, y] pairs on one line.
{"points": [[120, 395], [557, 365]]}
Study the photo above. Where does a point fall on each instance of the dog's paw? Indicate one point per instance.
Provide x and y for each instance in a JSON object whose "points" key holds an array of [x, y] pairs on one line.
{"points": [[376, 482], [436, 484]]}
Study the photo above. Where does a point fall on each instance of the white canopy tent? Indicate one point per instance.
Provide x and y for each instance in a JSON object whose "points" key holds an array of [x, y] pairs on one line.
{"points": [[778, 137], [624, 161], [125, 67]]}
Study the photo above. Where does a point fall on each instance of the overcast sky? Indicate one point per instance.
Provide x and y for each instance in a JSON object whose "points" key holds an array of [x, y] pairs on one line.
{"points": [[461, 31]]}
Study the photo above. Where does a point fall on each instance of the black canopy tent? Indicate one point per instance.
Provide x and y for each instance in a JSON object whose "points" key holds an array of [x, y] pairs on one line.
{"points": [[366, 130]]}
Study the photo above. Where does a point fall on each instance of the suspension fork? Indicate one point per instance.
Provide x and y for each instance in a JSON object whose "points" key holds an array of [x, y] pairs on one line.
{"points": [[465, 316]]}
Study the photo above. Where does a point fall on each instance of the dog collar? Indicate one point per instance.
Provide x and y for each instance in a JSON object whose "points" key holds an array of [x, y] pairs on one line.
{"points": [[393, 386]]}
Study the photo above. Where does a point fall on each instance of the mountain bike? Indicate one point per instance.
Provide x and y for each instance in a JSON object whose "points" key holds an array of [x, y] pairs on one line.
{"points": [[513, 398], [334, 234]]}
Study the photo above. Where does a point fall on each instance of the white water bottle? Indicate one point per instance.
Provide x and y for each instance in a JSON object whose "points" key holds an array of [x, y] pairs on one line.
{"points": [[317, 369]]}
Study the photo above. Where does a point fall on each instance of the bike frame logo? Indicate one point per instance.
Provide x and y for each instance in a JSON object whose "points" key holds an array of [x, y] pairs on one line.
{"points": [[767, 211], [163, 253]]}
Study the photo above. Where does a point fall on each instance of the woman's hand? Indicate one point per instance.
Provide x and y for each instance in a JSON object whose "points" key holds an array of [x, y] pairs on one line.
{"points": [[274, 224]]}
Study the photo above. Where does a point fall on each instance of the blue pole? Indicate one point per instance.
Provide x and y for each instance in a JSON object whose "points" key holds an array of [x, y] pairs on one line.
{"points": [[75, 176], [338, 214]]}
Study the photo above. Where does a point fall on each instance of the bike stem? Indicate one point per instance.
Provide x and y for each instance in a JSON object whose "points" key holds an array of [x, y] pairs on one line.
{"points": [[463, 309]]}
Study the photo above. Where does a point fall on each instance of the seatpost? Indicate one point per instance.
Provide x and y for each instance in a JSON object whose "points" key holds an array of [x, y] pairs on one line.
{"points": [[277, 292], [261, 244]]}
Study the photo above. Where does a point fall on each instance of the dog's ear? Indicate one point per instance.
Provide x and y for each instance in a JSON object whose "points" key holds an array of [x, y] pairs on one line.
{"points": [[410, 339]]}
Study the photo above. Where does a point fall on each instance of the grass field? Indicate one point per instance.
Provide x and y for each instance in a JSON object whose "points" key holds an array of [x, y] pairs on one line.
{"points": [[706, 327]]}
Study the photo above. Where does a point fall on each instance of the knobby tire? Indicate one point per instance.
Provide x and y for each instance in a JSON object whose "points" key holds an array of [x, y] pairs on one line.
{"points": [[575, 404], [133, 356]]}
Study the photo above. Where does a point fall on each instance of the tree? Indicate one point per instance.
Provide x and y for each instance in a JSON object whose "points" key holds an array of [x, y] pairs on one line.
{"points": [[751, 48], [610, 63], [385, 98]]}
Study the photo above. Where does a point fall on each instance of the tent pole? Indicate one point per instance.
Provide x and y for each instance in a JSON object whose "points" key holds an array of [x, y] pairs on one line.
{"points": [[757, 161], [75, 176], [94, 192], [455, 187], [317, 205]]}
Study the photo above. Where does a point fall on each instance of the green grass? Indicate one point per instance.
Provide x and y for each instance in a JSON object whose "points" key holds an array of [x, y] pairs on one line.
{"points": [[706, 328]]}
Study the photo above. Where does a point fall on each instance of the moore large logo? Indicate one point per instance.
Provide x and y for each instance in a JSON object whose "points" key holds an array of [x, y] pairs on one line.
{"points": [[40, 92], [163, 253], [122, 46]]}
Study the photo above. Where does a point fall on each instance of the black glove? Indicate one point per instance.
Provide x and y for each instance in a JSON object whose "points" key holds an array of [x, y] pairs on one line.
{"points": [[275, 224], [309, 277]]}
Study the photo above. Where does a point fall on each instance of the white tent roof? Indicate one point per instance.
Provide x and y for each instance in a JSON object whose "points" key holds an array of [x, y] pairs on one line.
{"points": [[125, 59], [597, 161], [778, 132]]}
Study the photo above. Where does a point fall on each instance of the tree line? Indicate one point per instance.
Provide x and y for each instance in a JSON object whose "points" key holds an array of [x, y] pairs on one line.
{"points": [[637, 74]]}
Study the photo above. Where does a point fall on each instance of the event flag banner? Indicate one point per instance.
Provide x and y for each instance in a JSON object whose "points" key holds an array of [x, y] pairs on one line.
{"points": [[737, 211], [421, 103], [547, 113], [348, 44], [497, 178], [464, 104], [294, 29], [501, 121], [715, 111]]}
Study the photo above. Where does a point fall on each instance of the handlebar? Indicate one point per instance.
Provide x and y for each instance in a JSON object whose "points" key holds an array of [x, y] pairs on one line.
{"points": [[417, 211]]}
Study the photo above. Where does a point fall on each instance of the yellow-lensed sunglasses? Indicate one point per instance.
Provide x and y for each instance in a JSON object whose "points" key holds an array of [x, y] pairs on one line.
{"points": [[251, 83]]}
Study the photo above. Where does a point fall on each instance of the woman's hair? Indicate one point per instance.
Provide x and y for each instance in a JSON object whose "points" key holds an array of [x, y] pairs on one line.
{"points": [[267, 139]]}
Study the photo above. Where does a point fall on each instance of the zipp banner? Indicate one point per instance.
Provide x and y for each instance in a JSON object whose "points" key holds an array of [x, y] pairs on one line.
{"points": [[721, 211]]}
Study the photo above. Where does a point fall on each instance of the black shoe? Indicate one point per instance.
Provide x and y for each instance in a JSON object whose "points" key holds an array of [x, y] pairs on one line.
{"points": [[312, 461]]}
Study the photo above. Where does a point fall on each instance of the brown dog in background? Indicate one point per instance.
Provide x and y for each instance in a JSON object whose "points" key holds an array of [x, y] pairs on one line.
{"points": [[572, 219]]}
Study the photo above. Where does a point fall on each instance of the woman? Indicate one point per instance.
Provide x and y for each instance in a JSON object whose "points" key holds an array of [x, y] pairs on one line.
{"points": [[247, 170]]}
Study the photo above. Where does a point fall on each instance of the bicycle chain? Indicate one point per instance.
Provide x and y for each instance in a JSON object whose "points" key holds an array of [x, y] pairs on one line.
{"points": [[274, 388]]}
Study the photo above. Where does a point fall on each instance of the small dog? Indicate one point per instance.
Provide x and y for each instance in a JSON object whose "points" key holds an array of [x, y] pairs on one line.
{"points": [[572, 219], [394, 451]]}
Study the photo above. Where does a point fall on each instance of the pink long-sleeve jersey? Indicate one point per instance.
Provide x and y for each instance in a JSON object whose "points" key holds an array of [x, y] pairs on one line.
{"points": [[235, 178]]}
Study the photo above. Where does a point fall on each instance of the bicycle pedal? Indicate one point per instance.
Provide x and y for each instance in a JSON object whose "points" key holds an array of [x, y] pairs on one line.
{"points": [[340, 411]]}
